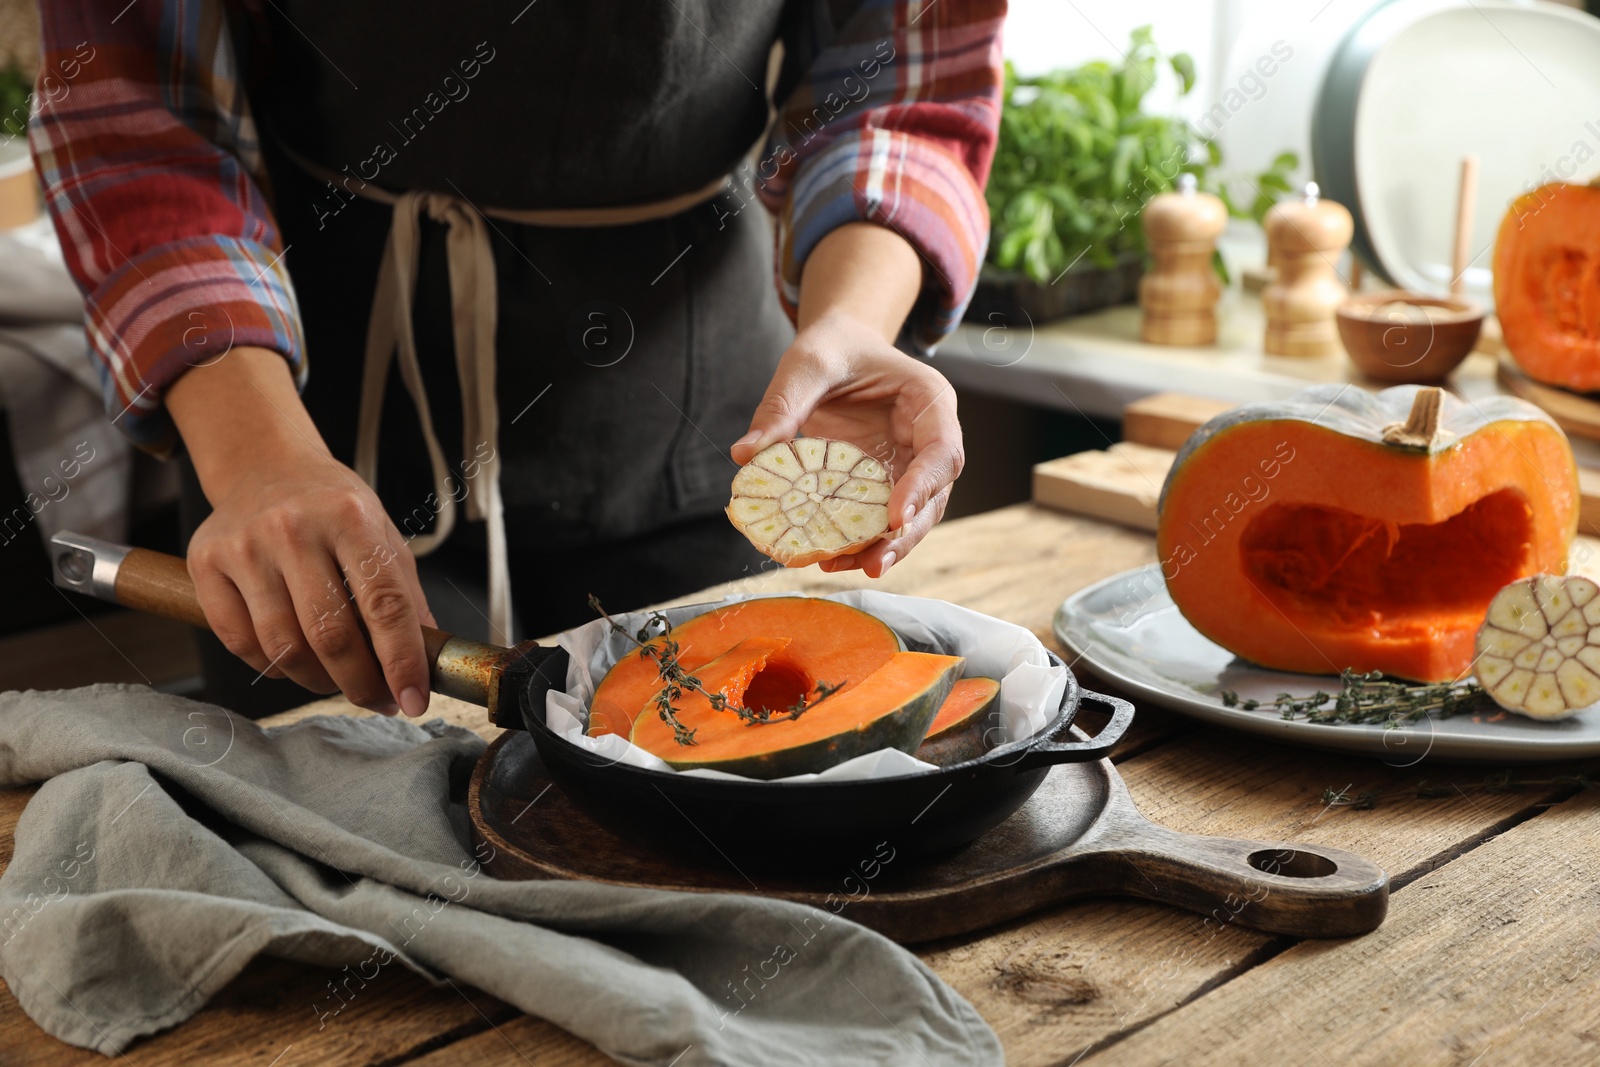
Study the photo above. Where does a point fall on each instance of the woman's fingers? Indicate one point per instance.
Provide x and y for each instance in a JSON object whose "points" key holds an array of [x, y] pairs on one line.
{"points": [[937, 456], [226, 613], [275, 615], [797, 387], [878, 557], [408, 567], [388, 599]]}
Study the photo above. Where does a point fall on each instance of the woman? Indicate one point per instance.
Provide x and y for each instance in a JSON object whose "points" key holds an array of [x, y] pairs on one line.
{"points": [[525, 249]]}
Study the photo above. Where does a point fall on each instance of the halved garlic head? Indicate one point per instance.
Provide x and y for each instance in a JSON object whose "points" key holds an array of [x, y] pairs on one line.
{"points": [[1538, 649], [810, 499]]}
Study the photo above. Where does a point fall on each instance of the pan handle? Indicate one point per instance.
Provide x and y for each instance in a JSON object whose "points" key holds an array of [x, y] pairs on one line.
{"points": [[159, 584], [1045, 751]]}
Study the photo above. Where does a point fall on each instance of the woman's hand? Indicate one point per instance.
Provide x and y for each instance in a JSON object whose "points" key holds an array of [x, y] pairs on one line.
{"points": [[841, 379], [298, 565]]}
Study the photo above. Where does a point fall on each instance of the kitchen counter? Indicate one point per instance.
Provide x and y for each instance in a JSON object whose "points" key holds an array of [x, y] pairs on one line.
{"points": [[1095, 364], [1488, 956]]}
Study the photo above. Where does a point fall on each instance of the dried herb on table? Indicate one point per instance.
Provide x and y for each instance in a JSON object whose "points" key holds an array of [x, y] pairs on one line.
{"points": [[664, 651], [1498, 782], [1370, 699]]}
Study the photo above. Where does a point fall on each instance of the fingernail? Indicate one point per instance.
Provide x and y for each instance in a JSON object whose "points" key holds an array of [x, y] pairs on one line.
{"points": [[413, 701], [387, 709], [748, 439], [888, 561], [907, 515]]}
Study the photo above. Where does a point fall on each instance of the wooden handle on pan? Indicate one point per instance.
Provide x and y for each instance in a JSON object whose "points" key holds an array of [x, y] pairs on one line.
{"points": [[159, 584]]}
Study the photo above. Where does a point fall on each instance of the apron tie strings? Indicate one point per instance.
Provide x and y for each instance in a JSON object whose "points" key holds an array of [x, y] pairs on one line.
{"points": [[473, 317]]}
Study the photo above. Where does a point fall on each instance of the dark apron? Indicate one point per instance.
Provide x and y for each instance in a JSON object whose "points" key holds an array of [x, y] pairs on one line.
{"points": [[629, 358]]}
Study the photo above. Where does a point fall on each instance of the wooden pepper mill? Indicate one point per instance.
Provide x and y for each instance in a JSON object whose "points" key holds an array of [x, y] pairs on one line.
{"points": [[1179, 295], [1306, 236]]}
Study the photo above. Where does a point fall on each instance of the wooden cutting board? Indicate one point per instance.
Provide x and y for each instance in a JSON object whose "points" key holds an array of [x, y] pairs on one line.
{"points": [[1079, 835], [1576, 413], [1122, 483]]}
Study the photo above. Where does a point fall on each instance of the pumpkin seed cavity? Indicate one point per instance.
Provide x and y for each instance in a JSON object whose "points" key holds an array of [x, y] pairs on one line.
{"points": [[810, 499], [1538, 650]]}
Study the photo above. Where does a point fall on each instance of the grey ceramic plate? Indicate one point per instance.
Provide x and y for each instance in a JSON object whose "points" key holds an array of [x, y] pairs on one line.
{"points": [[1127, 630]]}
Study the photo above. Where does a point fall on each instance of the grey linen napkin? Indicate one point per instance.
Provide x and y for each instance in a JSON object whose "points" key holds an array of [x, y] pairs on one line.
{"points": [[173, 841]]}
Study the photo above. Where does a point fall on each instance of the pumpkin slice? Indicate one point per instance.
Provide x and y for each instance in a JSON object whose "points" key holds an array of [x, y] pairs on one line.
{"points": [[827, 640], [890, 708], [728, 676], [1547, 284], [960, 730], [810, 499], [1346, 529], [1539, 646]]}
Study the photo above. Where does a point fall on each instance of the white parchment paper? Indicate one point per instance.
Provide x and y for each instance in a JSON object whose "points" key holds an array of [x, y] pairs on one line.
{"points": [[1030, 687]]}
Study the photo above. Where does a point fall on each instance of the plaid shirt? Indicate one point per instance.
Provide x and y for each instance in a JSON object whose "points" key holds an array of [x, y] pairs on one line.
{"points": [[152, 171]]}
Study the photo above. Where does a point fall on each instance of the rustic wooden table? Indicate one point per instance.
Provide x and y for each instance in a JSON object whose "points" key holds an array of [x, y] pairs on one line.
{"points": [[1489, 954]]}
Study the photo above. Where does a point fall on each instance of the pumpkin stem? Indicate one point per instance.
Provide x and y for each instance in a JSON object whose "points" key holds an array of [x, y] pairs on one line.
{"points": [[1422, 427]]}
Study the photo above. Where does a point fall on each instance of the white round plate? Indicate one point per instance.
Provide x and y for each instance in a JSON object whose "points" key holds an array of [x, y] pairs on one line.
{"points": [[1512, 83], [1127, 630]]}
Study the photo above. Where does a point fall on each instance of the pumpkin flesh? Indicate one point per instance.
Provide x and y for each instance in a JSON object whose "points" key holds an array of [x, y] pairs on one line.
{"points": [[958, 732], [1547, 284], [828, 641], [1357, 554], [889, 708]]}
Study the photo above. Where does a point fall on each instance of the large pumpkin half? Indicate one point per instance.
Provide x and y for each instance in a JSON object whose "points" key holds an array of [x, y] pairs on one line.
{"points": [[1547, 284], [1346, 529]]}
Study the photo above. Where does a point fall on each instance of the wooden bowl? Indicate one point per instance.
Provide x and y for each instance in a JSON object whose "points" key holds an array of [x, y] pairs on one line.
{"points": [[1401, 336]]}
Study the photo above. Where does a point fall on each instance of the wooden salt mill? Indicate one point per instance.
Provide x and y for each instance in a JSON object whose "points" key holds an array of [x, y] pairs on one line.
{"points": [[1179, 295], [1306, 236]]}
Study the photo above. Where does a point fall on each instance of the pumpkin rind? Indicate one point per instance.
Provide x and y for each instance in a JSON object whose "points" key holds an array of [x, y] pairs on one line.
{"points": [[890, 708], [1292, 536], [959, 731], [1547, 284], [828, 641]]}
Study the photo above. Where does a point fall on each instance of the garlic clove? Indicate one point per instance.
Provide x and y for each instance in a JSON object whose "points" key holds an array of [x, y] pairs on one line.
{"points": [[779, 459]]}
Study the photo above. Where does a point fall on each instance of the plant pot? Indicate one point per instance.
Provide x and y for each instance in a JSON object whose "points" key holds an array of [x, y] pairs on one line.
{"points": [[1084, 287]]}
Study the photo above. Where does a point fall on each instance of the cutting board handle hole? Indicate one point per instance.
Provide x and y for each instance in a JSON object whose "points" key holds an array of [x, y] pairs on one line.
{"points": [[1292, 863]]}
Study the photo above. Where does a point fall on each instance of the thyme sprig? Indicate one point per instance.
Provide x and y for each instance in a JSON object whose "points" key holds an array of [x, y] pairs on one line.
{"points": [[663, 650], [1370, 699], [1497, 782], [763, 717], [655, 645]]}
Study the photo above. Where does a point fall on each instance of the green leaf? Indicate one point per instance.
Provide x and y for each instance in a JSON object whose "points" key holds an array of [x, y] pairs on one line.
{"points": [[1220, 265], [1183, 67]]}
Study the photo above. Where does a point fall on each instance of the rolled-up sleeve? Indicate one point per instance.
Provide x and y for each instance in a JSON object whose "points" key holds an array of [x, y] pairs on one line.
{"points": [[151, 169], [892, 121]]}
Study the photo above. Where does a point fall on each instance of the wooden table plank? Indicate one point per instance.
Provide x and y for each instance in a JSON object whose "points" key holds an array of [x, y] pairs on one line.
{"points": [[268, 1012], [1492, 959], [517, 1043], [1080, 976]]}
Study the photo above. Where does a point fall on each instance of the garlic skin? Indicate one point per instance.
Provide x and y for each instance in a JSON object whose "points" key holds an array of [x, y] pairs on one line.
{"points": [[1538, 650], [810, 499]]}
